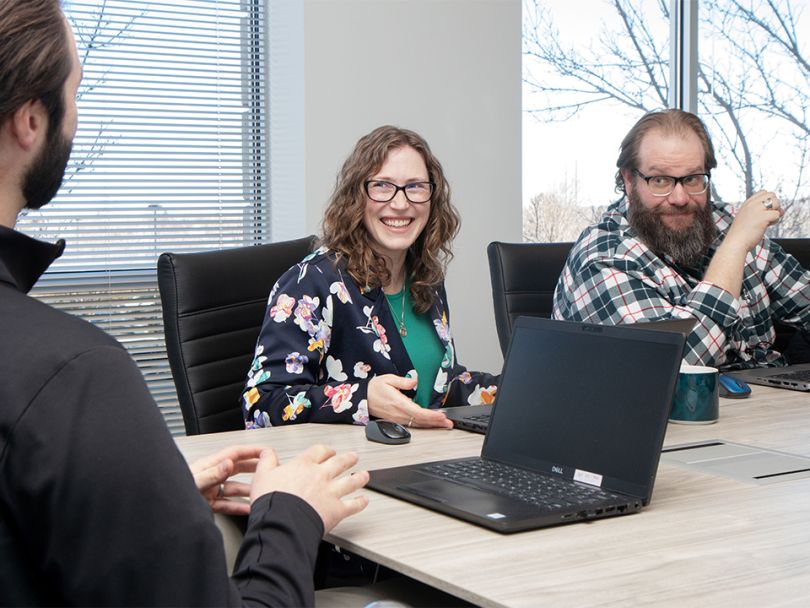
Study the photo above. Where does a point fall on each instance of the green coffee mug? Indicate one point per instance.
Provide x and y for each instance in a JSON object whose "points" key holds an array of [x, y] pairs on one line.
{"points": [[697, 399]]}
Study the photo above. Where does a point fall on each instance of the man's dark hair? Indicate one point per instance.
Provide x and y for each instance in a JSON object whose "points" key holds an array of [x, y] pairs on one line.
{"points": [[34, 57], [669, 121]]}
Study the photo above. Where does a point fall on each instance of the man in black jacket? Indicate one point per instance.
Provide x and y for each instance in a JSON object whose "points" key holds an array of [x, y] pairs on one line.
{"points": [[97, 506]]}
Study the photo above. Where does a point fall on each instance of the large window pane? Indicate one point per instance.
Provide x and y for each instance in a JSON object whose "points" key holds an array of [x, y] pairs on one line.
{"points": [[590, 70], [754, 93], [170, 155]]}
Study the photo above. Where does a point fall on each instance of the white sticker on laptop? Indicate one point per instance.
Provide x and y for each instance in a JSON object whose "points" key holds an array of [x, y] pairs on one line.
{"points": [[590, 478], [496, 515]]}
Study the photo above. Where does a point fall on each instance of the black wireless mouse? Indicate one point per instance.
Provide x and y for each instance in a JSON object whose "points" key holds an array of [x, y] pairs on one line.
{"points": [[732, 387], [385, 431]]}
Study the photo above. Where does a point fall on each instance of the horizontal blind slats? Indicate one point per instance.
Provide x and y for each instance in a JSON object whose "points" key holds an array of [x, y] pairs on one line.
{"points": [[170, 155]]}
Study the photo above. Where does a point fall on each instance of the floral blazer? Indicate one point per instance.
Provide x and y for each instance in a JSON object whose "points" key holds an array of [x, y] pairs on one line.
{"points": [[324, 339]]}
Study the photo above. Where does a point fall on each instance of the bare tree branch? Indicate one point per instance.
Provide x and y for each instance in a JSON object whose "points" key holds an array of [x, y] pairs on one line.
{"points": [[646, 61]]}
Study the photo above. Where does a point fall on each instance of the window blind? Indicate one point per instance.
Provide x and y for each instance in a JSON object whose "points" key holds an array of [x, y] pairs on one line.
{"points": [[170, 155]]}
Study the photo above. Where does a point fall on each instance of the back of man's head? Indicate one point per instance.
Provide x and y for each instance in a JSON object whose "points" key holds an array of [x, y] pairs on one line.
{"points": [[35, 58], [672, 121]]}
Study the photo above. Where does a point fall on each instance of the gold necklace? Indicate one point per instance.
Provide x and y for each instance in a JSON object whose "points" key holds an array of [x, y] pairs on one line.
{"points": [[399, 321]]}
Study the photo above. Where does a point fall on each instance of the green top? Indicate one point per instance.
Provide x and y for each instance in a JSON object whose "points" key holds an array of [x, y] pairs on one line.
{"points": [[421, 342]]}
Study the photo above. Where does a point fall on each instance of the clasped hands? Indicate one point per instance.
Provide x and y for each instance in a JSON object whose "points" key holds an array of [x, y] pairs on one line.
{"points": [[316, 476]]}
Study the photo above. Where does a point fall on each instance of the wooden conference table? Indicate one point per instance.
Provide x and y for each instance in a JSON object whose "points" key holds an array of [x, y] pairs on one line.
{"points": [[703, 540]]}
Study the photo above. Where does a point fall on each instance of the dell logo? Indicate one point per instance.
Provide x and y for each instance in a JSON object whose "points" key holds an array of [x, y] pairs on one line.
{"points": [[596, 329], [556, 469]]}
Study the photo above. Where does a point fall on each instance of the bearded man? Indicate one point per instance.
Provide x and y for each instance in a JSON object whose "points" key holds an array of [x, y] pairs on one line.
{"points": [[665, 250]]}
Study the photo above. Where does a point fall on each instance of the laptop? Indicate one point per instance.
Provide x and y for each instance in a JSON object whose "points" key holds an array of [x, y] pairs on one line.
{"points": [[475, 418], [581, 410], [794, 377]]}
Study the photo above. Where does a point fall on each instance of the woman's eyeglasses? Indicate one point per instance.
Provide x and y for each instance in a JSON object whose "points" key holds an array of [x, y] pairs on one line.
{"points": [[381, 191]]}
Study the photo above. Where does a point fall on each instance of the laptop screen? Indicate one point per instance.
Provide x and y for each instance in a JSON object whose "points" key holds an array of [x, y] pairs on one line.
{"points": [[593, 401]]}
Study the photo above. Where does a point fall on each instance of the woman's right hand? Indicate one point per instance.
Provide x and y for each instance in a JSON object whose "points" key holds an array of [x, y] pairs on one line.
{"points": [[386, 401]]}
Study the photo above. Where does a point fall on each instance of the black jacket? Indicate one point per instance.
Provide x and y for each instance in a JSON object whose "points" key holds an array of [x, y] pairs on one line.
{"points": [[97, 505]]}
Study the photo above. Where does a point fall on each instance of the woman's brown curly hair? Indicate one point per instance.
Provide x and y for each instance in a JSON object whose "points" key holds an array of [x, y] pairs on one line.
{"points": [[345, 233]]}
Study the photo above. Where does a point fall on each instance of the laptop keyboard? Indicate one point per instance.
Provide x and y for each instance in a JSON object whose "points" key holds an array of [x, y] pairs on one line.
{"points": [[541, 490]]}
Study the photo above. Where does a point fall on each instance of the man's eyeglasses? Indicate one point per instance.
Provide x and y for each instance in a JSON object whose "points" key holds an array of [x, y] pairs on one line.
{"points": [[663, 185], [381, 191]]}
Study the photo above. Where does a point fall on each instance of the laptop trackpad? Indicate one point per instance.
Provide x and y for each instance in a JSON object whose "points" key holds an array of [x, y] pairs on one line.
{"points": [[472, 500]]}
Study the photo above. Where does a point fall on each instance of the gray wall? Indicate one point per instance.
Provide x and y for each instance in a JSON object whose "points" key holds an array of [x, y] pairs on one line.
{"points": [[467, 54]]}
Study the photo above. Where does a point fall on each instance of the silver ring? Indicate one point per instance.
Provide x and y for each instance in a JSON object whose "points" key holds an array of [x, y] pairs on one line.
{"points": [[221, 493], [410, 422], [767, 203]]}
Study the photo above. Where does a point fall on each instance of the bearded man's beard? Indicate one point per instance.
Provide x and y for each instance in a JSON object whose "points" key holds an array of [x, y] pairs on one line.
{"points": [[44, 177], [687, 246]]}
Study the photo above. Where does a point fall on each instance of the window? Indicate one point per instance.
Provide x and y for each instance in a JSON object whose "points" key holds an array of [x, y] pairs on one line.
{"points": [[588, 76], [170, 155], [753, 87]]}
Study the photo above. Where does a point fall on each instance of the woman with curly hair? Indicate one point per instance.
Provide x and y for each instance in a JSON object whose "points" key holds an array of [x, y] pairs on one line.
{"points": [[361, 327]]}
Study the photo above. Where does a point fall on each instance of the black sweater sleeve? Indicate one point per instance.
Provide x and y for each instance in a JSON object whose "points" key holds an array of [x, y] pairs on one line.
{"points": [[109, 514], [280, 525]]}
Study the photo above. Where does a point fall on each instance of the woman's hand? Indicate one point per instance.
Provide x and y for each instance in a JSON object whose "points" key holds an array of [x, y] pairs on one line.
{"points": [[386, 401], [211, 476]]}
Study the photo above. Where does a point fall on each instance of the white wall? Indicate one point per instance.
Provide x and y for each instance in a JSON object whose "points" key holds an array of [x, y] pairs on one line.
{"points": [[359, 58]]}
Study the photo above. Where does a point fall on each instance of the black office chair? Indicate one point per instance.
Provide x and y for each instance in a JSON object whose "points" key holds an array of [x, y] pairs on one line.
{"points": [[213, 308], [799, 249], [523, 277]]}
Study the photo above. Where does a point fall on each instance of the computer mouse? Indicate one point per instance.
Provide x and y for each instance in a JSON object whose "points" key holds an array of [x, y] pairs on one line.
{"points": [[385, 431], [732, 387]]}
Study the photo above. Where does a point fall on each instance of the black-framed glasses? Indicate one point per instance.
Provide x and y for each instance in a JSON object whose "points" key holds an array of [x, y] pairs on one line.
{"points": [[663, 185], [381, 191]]}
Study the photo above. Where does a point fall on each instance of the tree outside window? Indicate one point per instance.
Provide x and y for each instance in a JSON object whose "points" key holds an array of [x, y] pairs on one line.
{"points": [[601, 68]]}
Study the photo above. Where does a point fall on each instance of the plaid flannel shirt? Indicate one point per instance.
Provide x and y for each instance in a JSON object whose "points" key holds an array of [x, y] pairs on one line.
{"points": [[612, 277]]}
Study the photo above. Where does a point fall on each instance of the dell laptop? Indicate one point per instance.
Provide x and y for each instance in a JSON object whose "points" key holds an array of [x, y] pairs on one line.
{"points": [[575, 434], [475, 418]]}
